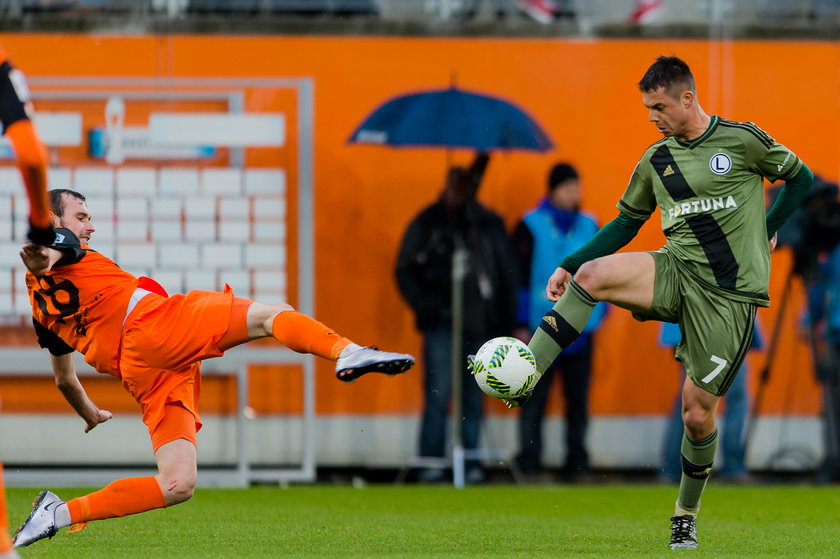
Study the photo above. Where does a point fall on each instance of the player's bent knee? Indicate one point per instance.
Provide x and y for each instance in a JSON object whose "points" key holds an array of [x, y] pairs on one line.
{"points": [[699, 423], [591, 276], [178, 491]]}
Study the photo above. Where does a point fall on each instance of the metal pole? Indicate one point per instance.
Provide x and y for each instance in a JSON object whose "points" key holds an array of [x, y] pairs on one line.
{"points": [[459, 271]]}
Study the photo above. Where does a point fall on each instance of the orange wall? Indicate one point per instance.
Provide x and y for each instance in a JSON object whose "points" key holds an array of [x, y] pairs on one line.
{"points": [[581, 91]]}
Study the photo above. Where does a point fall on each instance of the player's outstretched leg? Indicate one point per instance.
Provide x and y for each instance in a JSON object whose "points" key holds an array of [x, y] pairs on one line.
{"points": [[304, 334], [121, 497], [42, 522]]}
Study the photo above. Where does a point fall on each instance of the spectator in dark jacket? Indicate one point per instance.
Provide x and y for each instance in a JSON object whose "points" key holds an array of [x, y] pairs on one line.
{"points": [[424, 276]]}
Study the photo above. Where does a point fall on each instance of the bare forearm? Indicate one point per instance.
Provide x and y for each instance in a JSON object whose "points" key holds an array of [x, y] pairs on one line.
{"points": [[78, 399]]}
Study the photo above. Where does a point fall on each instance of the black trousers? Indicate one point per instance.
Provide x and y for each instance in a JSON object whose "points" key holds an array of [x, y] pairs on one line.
{"points": [[574, 372]]}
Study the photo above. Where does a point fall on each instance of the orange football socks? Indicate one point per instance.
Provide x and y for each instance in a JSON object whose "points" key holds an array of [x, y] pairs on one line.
{"points": [[304, 334], [32, 162], [120, 498]]}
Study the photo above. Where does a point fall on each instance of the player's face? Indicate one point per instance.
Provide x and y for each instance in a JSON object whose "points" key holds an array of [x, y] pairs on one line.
{"points": [[76, 218], [669, 114]]}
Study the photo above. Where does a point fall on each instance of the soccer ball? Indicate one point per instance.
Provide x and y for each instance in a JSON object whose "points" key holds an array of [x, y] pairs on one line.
{"points": [[504, 368]]}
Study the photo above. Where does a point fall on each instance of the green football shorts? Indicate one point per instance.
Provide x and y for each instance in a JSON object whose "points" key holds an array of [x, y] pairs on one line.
{"points": [[716, 331]]}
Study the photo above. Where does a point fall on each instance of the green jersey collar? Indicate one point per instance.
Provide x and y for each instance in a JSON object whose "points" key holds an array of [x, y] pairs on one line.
{"points": [[691, 144]]}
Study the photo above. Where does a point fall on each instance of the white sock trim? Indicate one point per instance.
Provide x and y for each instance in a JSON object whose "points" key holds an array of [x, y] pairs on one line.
{"points": [[349, 349], [62, 515]]}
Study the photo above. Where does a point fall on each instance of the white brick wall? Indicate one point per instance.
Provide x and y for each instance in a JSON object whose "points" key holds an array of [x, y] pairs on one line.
{"points": [[133, 209], [59, 177], [166, 208], [200, 230], [201, 279], [270, 282], [238, 280], [269, 207], [7, 306], [200, 208], [20, 206], [22, 304], [234, 231], [136, 255], [171, 280], [178, 181], [137, 182], [166, 231], [9, 254], [94, 181], [265, 181], [227, 256], [10, 181], [21, 228], [105, 231], [179, 256], [268, 231], [6, 207], [234, 208], [188, 228], [100, 208], [132, 230], [265, 255], [224, 181]]}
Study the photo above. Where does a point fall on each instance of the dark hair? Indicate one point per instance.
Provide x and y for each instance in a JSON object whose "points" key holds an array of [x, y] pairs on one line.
{"points": [[669, 72], [560, 173], [57, 199]]}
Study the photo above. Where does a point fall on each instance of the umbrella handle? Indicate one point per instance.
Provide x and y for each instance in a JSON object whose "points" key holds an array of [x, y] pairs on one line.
{"points": [[476, 171]]}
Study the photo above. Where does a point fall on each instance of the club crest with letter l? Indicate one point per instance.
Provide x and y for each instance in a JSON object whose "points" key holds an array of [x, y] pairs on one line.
{"points": [[720, 164]]}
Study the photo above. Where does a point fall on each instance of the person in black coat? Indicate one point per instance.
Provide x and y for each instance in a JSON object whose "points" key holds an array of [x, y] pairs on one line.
{"points": [[424, 277]]}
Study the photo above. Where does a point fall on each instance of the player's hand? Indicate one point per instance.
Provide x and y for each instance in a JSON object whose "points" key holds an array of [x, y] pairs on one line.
{"points": [[557, 284], [36, 258], [101, 416], [774, 241]]}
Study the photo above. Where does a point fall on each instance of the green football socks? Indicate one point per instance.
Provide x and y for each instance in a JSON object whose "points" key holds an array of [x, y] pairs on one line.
{"points": [[561, 325], [697, 459]]}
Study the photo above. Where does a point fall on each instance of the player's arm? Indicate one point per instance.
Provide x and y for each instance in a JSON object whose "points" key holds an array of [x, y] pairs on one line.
{"points": [[15, 110], [67, 381], [790, 197]]}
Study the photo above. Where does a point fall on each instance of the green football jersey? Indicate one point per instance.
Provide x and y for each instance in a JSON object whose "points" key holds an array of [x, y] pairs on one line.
{"points": [[710, 192]]}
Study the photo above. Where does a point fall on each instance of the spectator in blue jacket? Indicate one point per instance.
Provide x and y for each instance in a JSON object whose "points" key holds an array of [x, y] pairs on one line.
{"points": [[547, 234]]}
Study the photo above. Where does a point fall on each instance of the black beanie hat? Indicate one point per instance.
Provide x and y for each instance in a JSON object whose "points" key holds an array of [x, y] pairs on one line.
{"points": [[559, 173]]}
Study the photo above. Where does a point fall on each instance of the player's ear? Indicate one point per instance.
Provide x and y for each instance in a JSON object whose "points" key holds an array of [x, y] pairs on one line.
{"points": [[687, 98]]}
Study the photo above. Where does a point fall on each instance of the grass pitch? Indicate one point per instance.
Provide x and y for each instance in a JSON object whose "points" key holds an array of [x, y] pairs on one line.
{"points": [[476, 522]]}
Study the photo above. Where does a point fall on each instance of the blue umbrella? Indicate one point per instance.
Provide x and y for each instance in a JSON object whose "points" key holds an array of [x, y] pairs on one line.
{"points": [[451, 118]]}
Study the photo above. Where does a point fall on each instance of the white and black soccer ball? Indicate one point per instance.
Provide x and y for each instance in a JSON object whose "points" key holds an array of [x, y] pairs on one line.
{"points": [[504, 368]]}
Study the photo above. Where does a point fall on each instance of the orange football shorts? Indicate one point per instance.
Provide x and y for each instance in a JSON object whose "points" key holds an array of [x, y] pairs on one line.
{"points": [[164, 339]]}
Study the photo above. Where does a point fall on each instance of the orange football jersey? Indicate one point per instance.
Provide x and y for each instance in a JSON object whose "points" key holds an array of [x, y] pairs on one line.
{"points": [[83, 299]]}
